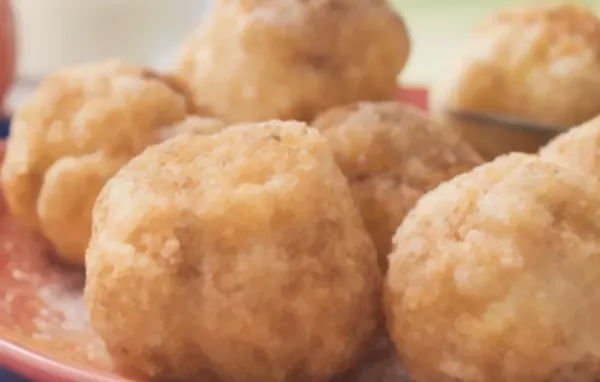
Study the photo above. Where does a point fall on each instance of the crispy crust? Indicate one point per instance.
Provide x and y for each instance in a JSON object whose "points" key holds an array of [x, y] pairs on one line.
{"points": [[491, 278], [392, 154], [262, 60], [238, 254], [79, 127]]}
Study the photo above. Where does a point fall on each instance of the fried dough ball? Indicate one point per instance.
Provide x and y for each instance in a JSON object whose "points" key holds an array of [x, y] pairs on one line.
{"points": [[256, 60], [494, 274], [392, 154], [578, 148], [536, 63], [238, 255], [79, 127]]}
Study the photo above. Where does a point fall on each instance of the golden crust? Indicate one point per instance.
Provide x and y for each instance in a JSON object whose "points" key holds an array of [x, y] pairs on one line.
{"points": [[493, 274], [538, 63], [238, 254], [79, 127], [578, 148], [391, 155], [263, 59]]}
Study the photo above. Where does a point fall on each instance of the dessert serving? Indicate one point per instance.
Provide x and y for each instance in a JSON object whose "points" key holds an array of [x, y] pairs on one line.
{"points": [[79, 128], [267, 212], [392, 154], [494, 274], [259, 60], [238, 255], [538, 63]]}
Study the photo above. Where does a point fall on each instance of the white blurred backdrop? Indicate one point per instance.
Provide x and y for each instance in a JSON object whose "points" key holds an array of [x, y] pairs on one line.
{"points": [[55, 33]]}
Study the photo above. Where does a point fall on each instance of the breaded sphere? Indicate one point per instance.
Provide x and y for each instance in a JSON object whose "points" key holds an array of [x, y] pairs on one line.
{"points": [[238, 255], [79, 127], [256, 60], [494, 277], [578, 148], [392, 154], [534, 63]]}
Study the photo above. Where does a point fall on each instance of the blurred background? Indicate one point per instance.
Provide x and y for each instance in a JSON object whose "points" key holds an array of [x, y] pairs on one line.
{"points": [[438, 27], [54, 33]]}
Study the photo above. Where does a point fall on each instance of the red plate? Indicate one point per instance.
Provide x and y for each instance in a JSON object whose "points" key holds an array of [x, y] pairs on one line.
{"points": [[44, 333]]}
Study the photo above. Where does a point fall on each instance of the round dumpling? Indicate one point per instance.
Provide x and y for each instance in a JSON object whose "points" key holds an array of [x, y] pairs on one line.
{"points": [[537, 63], [494, 274], [81, 125], [238, 255], [392, 154], [256, 60]]}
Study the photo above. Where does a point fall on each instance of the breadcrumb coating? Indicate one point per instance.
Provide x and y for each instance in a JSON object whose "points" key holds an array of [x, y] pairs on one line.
{"points": [[81, 125], [537, 63], [493, 277], [256, 60], [392, 154], [578, 148], [238, 255]]}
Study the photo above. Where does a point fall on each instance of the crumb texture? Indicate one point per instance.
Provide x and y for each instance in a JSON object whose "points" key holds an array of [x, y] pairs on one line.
{"points": [[392, 154], [262, 60], [538, 62], [238, 255], [493, 277], [79, 127], [578, 148]]}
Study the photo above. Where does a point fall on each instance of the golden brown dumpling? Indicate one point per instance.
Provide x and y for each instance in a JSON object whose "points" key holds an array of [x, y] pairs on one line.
{"points": [[78, 128], [494, 274], [537, 63], [392, 154], [255, 60], [239, 255]]}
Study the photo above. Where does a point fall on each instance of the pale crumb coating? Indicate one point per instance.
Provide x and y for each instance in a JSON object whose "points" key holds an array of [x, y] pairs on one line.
{"points": [[536, 62], [494, 276], [255, 60], [392, 154], [238, 255], [78, 128], [578, 148]]}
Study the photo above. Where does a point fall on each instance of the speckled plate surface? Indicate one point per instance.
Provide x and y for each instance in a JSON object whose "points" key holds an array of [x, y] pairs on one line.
{"points": [[44, 333]]}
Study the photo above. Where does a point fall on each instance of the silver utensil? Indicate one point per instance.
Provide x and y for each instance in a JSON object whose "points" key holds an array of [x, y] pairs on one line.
{"points": [[508, 122]]}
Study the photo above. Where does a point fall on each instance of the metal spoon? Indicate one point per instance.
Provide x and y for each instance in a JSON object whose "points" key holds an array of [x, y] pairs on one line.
{"points": [[506, 121]]}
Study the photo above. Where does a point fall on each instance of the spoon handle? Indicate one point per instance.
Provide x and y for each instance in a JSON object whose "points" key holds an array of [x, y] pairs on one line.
{"points": [[505, 121]]}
